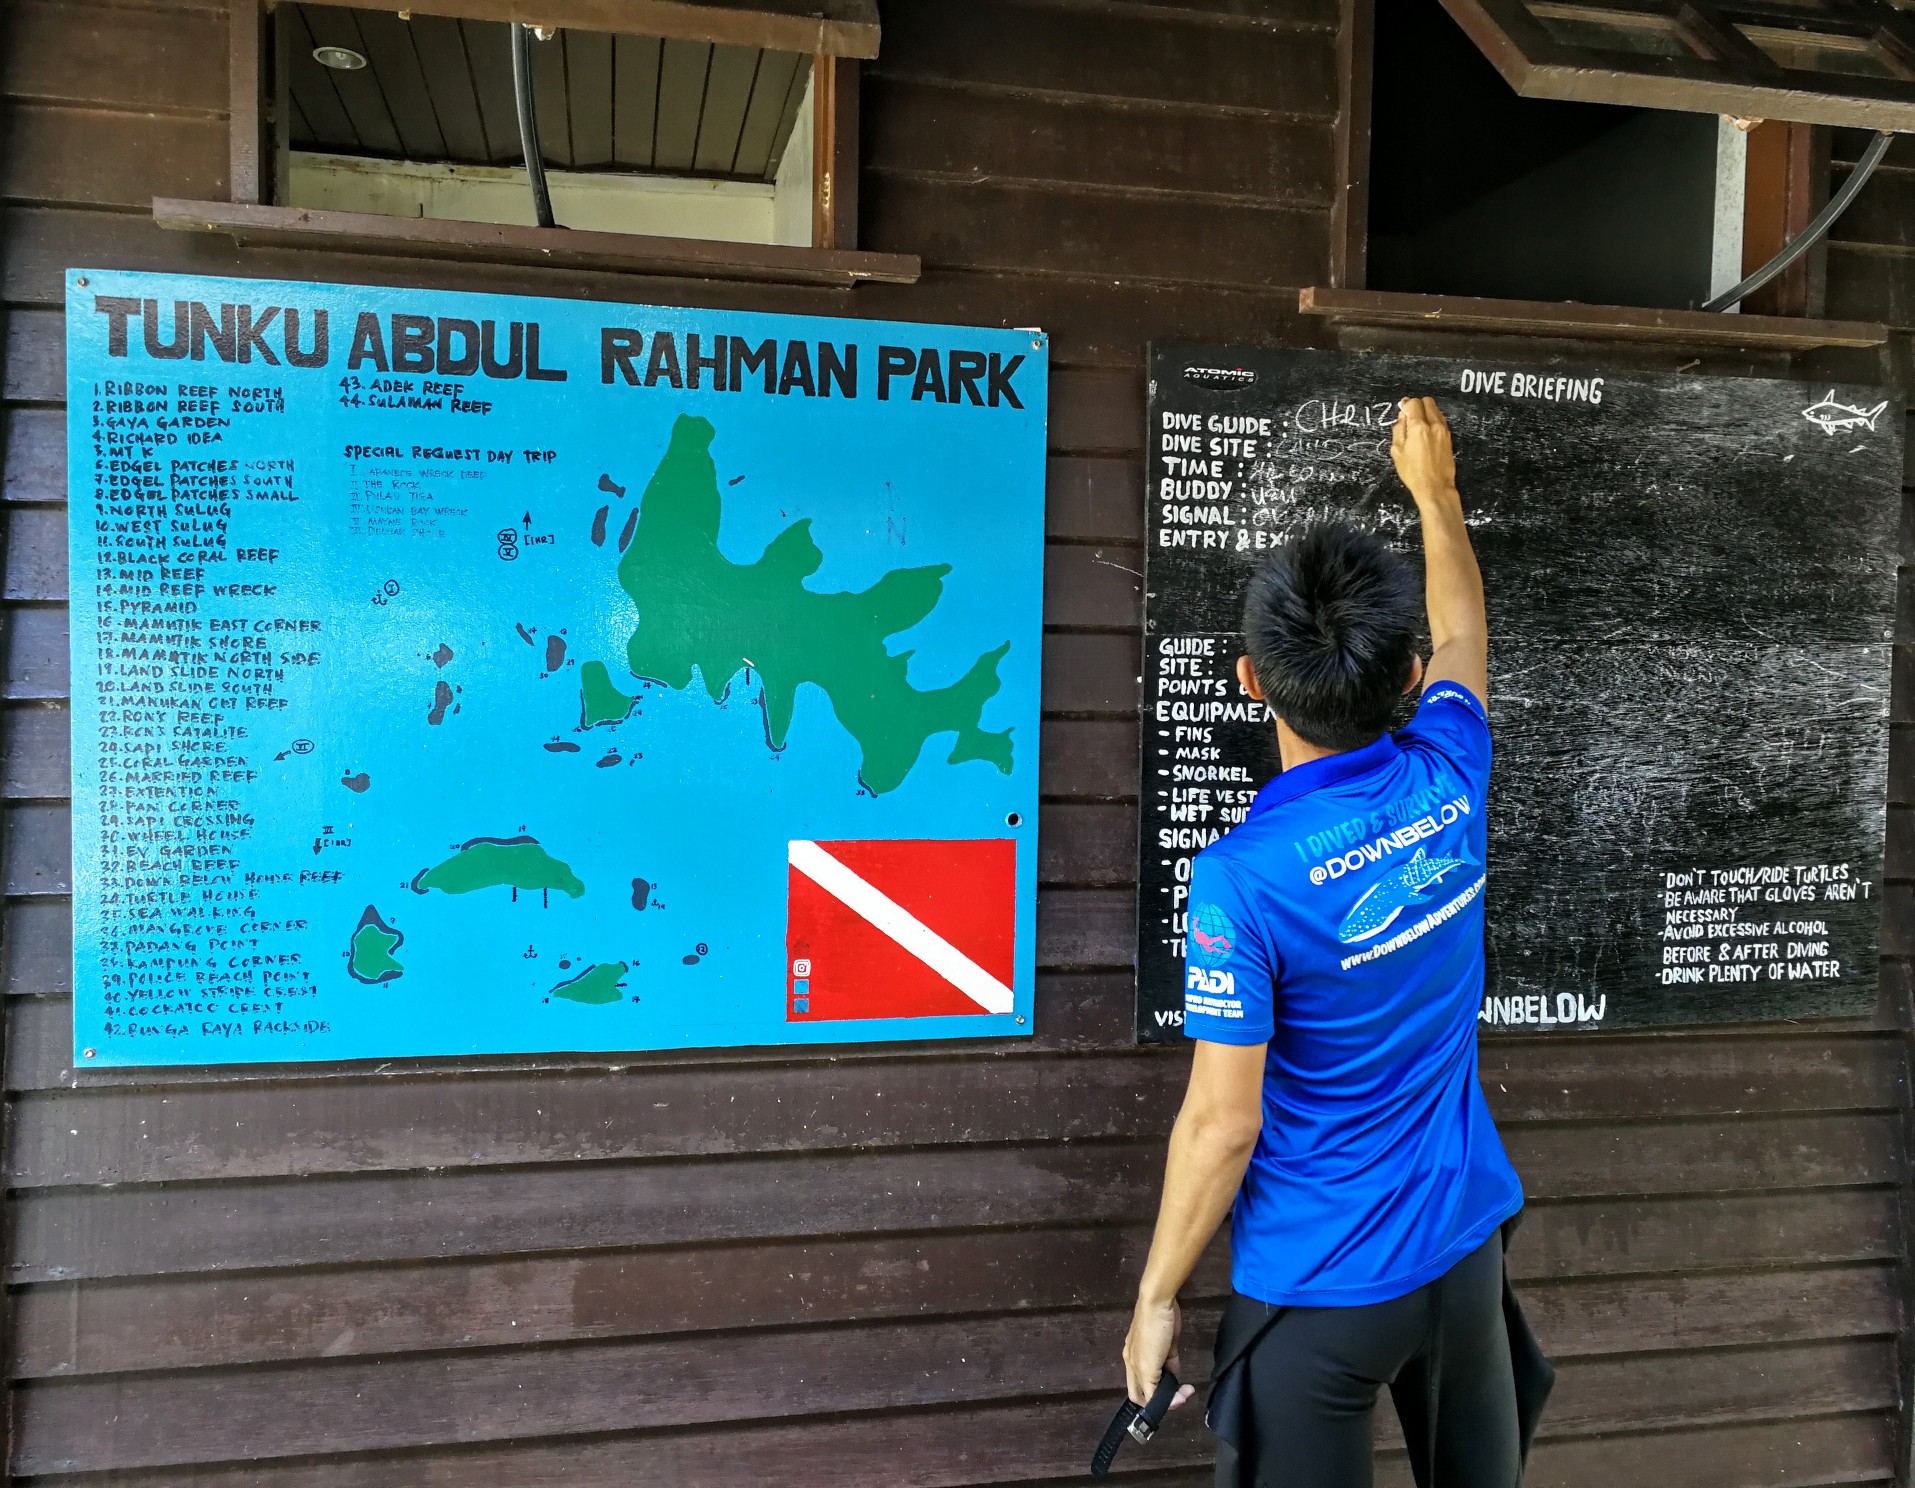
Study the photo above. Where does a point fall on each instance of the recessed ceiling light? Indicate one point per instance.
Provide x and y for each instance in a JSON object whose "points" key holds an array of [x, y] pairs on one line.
{"points": [[344, 59]]}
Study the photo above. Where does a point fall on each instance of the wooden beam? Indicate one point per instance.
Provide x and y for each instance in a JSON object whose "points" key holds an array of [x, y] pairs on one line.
{"points": [[1350, 211], [834, 158], [839, 28], [487, 242], [280, 114], [1783, 188], [1584, 322], [245, 73]]}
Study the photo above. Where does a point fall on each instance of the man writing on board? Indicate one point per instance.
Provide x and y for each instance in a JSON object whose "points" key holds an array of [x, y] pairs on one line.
{"points": [[1334, 960]]}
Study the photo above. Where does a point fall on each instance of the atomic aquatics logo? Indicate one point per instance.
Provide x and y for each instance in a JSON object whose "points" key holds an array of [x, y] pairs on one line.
{"points": [[1220, 377]]}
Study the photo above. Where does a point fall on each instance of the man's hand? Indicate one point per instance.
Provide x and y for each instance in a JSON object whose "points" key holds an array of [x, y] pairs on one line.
{"points": [[1152, 1344], [1420, 449]]}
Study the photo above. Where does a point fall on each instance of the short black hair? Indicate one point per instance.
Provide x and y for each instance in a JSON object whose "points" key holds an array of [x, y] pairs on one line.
{"points": [[1331, 623]]}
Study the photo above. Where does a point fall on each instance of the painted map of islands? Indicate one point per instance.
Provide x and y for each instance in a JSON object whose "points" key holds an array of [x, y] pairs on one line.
{"points": [[595, 984], [369, 959], [515, 863], [700, 611], [599, 701]]}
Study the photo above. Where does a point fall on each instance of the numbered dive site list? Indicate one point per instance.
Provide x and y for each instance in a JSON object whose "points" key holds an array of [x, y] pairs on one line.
{"points": [[192, 649], [460, 674]]}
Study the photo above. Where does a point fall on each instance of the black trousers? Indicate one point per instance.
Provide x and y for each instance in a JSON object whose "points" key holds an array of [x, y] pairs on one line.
{"points": [[1298, 1398]]}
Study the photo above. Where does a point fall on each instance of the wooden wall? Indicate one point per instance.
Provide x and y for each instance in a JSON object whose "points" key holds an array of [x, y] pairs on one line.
{"points": [[901, 1267]]}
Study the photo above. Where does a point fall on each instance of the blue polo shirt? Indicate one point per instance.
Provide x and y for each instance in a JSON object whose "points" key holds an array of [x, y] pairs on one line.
{"points": [[1342, 924]]}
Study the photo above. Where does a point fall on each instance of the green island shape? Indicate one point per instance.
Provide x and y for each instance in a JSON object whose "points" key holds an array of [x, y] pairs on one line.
{"points": [[699, 609], [370, 959], [595, 984], [494, 862], [599, 701]]}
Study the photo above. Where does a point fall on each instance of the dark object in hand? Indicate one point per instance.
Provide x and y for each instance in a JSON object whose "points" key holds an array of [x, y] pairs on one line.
{"points": [[1138, 1422]]}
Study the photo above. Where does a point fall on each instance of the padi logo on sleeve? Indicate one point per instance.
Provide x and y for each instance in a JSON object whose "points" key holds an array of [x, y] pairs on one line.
{"points": [[1209, 942], [1212, 937]]}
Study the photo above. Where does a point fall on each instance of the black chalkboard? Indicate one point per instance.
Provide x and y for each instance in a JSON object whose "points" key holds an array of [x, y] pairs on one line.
{"points": [[1691, 590]]}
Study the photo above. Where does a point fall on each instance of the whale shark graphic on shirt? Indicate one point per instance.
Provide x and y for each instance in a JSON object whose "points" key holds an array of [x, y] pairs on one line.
{"points": [[1401, 888]]}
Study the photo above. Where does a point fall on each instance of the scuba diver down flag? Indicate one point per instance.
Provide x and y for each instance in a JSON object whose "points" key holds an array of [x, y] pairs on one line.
{"points": [[904, 929]]}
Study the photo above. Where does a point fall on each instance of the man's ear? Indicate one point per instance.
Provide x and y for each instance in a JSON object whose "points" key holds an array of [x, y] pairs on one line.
{"points": [[1416, 676], [1247, 678]]}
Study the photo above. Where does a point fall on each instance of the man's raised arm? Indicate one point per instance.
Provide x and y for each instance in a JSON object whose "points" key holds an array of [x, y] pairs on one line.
{"points": [[1452, 583]]}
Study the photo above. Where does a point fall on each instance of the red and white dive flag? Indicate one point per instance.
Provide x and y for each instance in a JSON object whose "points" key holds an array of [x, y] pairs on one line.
{"points": [[900, 929]]}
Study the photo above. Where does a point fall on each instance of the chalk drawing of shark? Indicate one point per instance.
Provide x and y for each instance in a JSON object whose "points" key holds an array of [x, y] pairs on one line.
{"points": [[1831, 417], [1399, 889]]}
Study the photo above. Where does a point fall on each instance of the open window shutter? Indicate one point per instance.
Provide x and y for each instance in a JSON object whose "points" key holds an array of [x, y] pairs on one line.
{"points": [[1846, 62]]}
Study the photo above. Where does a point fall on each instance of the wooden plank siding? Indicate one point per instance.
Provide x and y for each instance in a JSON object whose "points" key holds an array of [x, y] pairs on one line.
{"points": [[872, 1266]]}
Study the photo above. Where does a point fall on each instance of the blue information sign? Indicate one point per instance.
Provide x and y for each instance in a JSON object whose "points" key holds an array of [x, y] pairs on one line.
{"points": [[460, 674]]}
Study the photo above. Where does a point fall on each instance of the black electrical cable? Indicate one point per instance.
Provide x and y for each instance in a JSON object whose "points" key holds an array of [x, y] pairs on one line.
{"points": [[1814, 232], [529, 123]]}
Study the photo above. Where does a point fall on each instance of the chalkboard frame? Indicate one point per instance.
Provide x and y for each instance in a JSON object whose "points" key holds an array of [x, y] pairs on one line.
{"points": [[1845, 598]]}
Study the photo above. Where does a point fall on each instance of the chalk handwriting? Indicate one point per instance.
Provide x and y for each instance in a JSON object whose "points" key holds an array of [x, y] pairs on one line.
{"points": [[1832, 417]]}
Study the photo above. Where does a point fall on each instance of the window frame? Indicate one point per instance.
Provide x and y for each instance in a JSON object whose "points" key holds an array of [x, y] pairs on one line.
{"points": [[838, 31], [1724, 72], [1784, 192]]}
